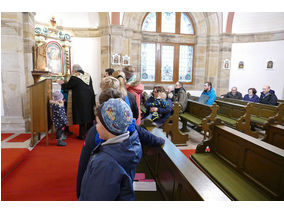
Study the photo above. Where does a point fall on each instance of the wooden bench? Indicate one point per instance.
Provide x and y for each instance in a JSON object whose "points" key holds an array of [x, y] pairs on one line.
{"points": [[236, 116], [261, 113], [197, 114], [244, 167], [177, 178], [274, 135]]}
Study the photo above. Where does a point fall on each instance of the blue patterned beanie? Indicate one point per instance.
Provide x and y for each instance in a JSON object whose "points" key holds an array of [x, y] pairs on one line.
{"points": [[115, 115]]}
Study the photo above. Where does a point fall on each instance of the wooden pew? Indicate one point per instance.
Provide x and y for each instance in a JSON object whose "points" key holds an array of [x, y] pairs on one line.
{"points": [[177, 178], [244, 167], [274, 135], [236, 116], [261, 113]]}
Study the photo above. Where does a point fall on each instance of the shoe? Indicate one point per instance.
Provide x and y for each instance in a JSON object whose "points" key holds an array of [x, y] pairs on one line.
{"points": [[81, 137], [61, 143], [148, 123], [63, 137]]}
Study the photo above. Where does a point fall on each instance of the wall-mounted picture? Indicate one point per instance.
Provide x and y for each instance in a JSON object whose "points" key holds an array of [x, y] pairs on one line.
{"points": [[125, 60], [116, 59], [269, 65], [227, 64], [241, 65]]}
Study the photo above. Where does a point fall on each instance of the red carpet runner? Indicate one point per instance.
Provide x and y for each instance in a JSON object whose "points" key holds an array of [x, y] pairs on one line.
{"points": [[5, 135], [48, 173], [21, 137]]}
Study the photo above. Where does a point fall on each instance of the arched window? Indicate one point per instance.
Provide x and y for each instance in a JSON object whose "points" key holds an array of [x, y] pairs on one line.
{"points": [[166, 62]]}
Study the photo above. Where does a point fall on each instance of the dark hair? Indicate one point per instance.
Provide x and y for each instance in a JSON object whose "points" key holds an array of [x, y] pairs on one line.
{"points": [[128, 71], [209, 83], [109, 93], [109, 71], [253, 90], [159, 89], [180, 83]]}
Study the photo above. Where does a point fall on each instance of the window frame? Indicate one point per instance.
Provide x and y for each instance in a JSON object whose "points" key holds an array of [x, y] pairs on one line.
{"points": [[158, 62]]}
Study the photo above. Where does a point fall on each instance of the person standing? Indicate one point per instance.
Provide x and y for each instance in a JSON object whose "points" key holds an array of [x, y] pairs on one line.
{"points": [[135, 87], [268, 96], [208, 96], [180, 95], [83, 99]]}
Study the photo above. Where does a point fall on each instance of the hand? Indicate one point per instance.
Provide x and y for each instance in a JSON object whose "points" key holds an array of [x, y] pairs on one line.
{"points": [[153, 109], [60, 81]]}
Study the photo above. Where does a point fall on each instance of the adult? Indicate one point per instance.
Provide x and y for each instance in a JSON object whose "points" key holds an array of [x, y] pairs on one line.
{"points": [[134, 86], [251, 96], [268, 96], [129, 97], [235, 94], [83, 99], [158, 106], [180, 95], [208, 96], [109, 72]]}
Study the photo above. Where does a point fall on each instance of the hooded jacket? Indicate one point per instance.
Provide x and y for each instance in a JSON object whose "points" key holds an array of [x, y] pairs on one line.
{"points": [[211, 96], [111, 170], [180, 96], [268, 98], [136, 88]]}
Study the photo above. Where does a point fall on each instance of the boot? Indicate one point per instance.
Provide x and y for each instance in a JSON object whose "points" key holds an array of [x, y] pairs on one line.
{"points": [[63, 137], [61, 143]]}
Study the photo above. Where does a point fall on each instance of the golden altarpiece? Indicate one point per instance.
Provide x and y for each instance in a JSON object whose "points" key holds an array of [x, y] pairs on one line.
{"points": [[51, 61]]}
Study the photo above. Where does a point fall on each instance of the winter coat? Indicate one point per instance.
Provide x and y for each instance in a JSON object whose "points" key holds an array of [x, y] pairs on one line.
{"points": [[133, 105], [111, 170], [145, 137], [136, 89], [237, 96], [164, 109], [254, 98], [268, 98], [211, 96], [83, 97], [180, 96], [59, 117]]}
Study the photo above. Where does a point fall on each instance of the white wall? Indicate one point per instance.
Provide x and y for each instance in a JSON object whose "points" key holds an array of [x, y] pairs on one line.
{"points": [[86, 52], [255, 74]]}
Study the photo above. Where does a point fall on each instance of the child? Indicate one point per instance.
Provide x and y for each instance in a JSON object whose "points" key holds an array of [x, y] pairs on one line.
{"points": [[112, 166], [59, 117]]}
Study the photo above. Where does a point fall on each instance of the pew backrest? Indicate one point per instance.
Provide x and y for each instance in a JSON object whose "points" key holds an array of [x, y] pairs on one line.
{"points": [[274, 135]]}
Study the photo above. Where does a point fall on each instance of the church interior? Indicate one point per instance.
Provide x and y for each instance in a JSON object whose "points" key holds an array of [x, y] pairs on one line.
{"points": [[230, 150]]}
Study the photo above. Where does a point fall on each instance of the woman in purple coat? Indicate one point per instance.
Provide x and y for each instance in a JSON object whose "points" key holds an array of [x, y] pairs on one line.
{"points": [[251, 96]]}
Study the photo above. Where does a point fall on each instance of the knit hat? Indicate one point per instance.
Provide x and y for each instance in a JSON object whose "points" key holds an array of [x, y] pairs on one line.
{"points": [[57, 96], [115, 115]]}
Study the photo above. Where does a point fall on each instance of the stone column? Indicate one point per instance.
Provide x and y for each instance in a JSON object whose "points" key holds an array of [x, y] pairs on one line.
{"points": [[16, 39]]}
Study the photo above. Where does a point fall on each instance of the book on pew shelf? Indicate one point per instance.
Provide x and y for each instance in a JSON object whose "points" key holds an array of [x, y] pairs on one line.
{"points": [[144, 186]]}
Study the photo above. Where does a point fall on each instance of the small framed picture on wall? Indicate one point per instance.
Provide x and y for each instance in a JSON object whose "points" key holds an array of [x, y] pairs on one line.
{"points": [[227, 64], [269, 65], [241, 65]]}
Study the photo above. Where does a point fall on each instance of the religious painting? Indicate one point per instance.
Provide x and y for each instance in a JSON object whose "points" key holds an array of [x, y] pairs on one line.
{"points": [[116, 59], [269, 65], [54, 57], [226, 64], [241, 65], [125, 60]]}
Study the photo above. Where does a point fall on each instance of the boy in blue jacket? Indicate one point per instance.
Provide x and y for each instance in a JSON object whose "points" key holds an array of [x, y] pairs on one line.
{"points": [[208, 96], [110, 172]]}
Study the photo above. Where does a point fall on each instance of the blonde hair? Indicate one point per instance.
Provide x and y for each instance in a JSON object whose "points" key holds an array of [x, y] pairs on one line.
{"points": [[109, 82], [120, 76]]}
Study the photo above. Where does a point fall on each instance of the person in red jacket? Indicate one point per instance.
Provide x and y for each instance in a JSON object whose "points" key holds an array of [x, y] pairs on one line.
{"points": [[135, 87]]}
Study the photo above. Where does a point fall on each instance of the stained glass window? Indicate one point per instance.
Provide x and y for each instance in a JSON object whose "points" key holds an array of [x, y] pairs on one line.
{"points": [[149, 23], [148, 63], [167, 63], [185, 63], [185, 24], [169, 22]]}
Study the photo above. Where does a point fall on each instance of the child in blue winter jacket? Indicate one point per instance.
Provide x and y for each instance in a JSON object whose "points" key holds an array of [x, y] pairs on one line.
{"points": [[112, 166]]}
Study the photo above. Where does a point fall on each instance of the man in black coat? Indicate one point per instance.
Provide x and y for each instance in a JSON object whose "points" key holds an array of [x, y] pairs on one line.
{"points": [[268, 96], [234, 94], [83, 99]]}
